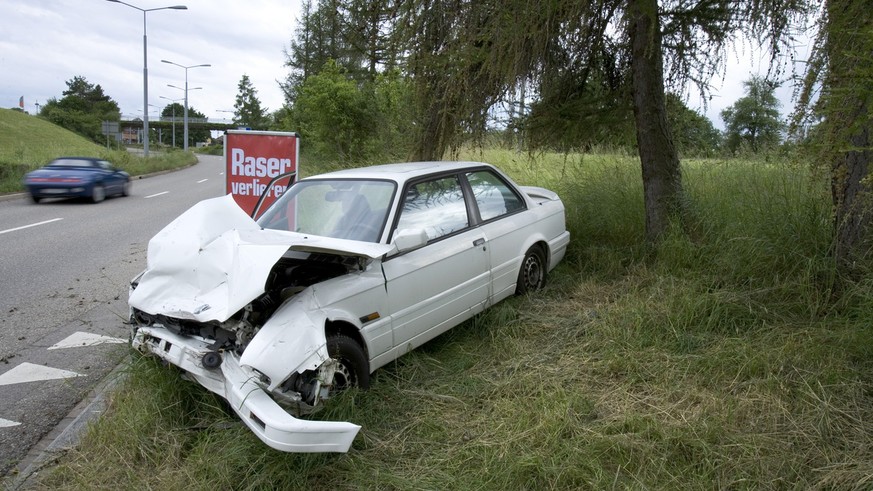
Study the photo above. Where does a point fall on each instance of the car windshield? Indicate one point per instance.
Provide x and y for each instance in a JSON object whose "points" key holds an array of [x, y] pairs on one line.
{"points": [[71, 163], [339, 208]]}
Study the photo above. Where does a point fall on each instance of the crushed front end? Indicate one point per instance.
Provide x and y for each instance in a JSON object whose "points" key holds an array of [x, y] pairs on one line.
{"points": [[219, 301]]}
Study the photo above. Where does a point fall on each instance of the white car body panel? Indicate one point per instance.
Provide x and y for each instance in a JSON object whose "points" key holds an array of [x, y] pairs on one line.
{"points": [[212, 263]]}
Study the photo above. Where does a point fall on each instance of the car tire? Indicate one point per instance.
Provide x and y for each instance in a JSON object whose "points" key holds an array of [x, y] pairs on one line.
{"points": [[98, 193], [354, 368], [532, 275], [35, 199], [125, 188]]}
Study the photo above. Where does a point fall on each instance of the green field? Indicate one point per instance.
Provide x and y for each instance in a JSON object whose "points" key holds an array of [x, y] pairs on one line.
{"points": [[28, 142], [727, 357]]}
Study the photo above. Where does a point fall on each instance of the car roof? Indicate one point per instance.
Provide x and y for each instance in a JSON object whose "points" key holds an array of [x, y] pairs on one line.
{"points": [[85, 159], [400, 172], [73, 157]]}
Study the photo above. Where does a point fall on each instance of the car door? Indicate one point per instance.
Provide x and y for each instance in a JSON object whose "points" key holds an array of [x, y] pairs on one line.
{"points": [[443, 283], [109, 177], [506, 225]]}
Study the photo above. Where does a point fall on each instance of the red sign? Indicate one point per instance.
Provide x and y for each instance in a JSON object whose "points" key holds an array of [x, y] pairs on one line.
{"points": [[253, 159]]}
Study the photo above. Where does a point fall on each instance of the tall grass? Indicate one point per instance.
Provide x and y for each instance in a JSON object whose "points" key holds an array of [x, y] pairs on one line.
{"points": [[722, 359]]}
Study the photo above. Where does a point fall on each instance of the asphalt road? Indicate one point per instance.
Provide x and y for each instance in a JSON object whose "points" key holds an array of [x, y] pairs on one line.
{"points": [[64, 270]]}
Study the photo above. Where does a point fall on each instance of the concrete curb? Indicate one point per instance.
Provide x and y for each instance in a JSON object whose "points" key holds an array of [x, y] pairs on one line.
{"points": [[67, 434]]}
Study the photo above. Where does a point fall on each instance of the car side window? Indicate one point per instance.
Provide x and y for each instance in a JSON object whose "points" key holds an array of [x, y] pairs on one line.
{"points": [[493, 197], [437, 206]]}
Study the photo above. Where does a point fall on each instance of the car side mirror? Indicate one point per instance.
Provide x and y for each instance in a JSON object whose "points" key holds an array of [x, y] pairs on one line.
{"points": [[409, 239]]}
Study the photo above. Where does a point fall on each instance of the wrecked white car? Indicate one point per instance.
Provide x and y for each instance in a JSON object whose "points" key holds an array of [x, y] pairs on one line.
{"points": [[344, 273]]}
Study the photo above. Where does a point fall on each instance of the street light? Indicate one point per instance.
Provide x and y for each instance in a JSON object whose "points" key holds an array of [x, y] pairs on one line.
{"points": [[143, 133], [186, 108], [174, 101], [145, 68], [186, 93]]}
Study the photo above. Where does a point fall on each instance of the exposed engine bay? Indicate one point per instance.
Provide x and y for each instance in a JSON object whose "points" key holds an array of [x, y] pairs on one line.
{"points": [[294, 272]]}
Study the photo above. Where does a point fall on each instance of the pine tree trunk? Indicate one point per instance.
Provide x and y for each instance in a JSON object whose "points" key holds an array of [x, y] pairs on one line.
{"points": [[848, 116], [662, 177], [851, 197]]}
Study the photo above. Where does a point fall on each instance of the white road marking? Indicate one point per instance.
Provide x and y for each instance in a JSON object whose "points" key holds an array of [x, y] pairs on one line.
{"points": [[28, 226], [202, 180], [79, 339], [5, 423], [159, 194], [29, 372]]}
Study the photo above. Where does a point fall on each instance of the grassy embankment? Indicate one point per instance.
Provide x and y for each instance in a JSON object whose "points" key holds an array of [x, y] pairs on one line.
{"points": [[723, 359], [28, 142]]}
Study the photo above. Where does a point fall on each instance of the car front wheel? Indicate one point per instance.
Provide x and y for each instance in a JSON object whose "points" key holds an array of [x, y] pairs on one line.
{"points": [[352, 370], [532, 275]]}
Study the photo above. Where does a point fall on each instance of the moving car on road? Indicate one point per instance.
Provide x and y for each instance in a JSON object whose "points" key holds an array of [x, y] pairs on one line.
{"points": [[346, 272], [77, 177]]}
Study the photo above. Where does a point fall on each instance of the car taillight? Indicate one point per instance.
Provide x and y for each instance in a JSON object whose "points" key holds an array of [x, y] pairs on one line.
{"points": [[56, 179]]}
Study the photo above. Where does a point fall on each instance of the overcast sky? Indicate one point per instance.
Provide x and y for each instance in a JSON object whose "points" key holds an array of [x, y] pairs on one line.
{"points": [[45, 43]]}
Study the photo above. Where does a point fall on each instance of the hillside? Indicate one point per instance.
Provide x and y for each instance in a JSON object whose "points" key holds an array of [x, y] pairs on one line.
{"points": [[28, 142]]}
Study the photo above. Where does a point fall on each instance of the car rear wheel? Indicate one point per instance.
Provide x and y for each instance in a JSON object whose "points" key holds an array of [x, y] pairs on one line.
{"points": [[36, 199], [98, 193], [352, 370], [532, 275]]}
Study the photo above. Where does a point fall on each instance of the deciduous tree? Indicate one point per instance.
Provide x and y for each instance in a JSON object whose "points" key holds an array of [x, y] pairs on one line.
{"points": [[82, 109], [753, 120]]}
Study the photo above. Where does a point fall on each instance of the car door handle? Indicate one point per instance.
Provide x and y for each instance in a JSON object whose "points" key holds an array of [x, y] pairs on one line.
{"points": [[478, 242]]}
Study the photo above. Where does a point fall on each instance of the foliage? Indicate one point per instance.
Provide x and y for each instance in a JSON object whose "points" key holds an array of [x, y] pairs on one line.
{"points": [[693, 133], [724, 362], [247, 107], [176, 111], [353, 34], [753, 120], [342, 120], [583, 121], [82, 109]]}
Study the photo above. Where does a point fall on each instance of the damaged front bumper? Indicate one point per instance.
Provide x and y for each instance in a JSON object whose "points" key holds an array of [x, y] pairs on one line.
{"points": [[272, 424]]}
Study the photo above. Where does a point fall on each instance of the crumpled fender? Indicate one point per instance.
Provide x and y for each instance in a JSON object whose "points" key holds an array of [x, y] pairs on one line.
{"points": [[291, 341]]}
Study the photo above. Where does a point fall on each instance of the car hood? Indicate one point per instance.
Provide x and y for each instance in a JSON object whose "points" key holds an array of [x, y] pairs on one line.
{"points": [[214, 259]]}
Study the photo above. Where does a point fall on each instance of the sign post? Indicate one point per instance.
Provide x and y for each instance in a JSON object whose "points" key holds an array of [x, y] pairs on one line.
{"points": [[253, 159]]}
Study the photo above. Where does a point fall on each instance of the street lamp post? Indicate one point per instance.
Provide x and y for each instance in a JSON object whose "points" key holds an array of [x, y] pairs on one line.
{"points": [[186, 94], [174, 101], [145, 68], [185, 120], [144, 135]]}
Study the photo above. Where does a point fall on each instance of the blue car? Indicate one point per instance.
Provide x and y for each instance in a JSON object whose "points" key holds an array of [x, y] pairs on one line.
{"points": [[77, 177]]}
